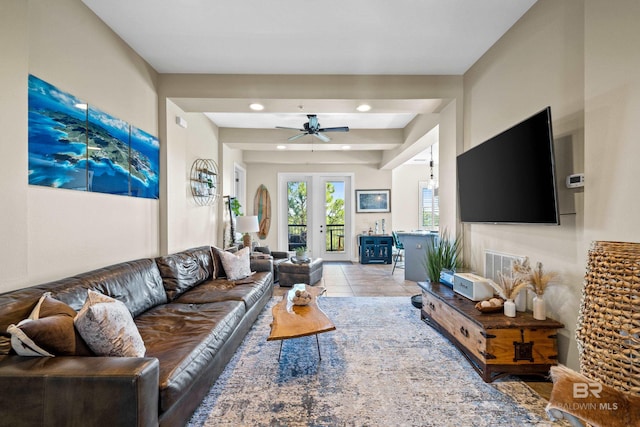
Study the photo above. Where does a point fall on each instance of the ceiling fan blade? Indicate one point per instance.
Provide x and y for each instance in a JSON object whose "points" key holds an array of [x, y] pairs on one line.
{"points": [[322, 137], [293, 138], [336, 129], [284, 127]]}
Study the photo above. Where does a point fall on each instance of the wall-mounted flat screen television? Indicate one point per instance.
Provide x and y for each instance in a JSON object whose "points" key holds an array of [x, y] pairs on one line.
{"points": [[510, 178]]}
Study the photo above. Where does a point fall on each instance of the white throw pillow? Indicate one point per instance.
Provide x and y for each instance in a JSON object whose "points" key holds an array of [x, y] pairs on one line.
{"points": [[108, 328], [236, 265]]}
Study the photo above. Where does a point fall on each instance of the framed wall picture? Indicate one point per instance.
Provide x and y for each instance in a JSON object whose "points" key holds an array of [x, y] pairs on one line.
{"points": [[373, 201]]}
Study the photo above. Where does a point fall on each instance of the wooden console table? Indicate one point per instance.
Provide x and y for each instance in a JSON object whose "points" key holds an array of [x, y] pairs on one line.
{"points": [[494, 344]]}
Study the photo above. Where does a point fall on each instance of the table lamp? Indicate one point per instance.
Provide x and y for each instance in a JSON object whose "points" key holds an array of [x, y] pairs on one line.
{"points": [[247, 224]]}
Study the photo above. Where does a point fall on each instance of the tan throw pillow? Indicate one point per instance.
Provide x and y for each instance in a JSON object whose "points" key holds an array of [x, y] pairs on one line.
{"points": [[48, 331], [237, 265], [108, 328]]}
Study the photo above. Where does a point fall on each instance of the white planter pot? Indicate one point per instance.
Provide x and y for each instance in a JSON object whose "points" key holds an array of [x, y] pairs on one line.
{"points": [[510, 308]]}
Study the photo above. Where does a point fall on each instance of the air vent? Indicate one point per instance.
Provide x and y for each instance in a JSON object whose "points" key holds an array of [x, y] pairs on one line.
{"points": [[496, 261]]}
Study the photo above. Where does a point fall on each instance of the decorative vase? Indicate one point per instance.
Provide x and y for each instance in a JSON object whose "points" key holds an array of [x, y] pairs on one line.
{"points": [[539, 308], [510, 308], [521, 301]]}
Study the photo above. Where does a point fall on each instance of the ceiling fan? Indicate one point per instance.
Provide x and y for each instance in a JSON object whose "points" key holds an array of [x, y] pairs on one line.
{"points": [[312, 127]]}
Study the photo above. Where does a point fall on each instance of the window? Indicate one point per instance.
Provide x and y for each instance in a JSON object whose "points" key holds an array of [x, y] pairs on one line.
{"points": [[429, 208]]}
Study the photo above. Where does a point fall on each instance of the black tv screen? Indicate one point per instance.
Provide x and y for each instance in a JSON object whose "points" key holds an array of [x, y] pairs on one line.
{"points": [[510, 178]]}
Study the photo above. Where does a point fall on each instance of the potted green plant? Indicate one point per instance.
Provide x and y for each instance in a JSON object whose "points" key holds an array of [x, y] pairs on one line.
{"points": [[301, 253], [442, 253], [235, 207]]}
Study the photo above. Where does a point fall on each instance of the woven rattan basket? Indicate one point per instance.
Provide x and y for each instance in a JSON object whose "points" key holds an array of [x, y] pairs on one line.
{"points": [[608, 330]]}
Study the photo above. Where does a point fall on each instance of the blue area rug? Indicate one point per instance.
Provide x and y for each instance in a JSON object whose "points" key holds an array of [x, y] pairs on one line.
{"points": [[382, 366]]}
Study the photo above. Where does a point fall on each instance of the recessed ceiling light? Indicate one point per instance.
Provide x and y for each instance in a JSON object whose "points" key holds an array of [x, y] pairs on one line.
{"points": [[281, 147], [346, 147], [256, 107], [363, 107]]}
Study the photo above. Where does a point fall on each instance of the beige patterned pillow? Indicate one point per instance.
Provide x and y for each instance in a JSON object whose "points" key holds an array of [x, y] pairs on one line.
{"points": [[108, 328], [237, 265]]}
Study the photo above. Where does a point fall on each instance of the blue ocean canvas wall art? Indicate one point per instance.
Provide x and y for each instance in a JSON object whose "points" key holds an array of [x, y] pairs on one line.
{"points": [[77, 146], [57, 137], [108, 146], [145, 164]]}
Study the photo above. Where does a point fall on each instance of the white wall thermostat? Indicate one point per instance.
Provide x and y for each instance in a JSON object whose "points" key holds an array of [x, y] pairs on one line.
{"points": [[575, 180]]}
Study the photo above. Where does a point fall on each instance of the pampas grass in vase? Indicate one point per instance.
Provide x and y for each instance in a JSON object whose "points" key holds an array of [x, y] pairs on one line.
{"points": [[508, 287], [539, 281]]}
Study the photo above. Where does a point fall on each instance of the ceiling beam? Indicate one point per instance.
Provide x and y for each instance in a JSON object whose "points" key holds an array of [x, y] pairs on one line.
{"points": [[268, 139], [313, 157], [419, 135]]}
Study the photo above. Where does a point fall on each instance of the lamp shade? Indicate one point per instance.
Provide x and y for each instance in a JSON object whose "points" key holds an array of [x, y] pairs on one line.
{"points": [[247, 224]]}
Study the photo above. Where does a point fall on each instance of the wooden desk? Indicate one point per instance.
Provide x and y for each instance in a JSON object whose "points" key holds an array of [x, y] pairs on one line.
{"points": [[494, 344], [292, 321]]}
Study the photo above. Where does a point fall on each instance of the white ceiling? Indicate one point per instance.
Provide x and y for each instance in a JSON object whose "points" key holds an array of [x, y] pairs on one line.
{"points": [[307, 37], [400, 37]]}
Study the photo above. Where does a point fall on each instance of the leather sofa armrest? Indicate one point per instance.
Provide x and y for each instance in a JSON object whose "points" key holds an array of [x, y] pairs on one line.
{"points": [[261, 264], [94, 391]]}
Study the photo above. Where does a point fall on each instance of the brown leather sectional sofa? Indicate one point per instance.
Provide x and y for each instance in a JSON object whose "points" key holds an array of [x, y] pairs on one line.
{"points": [[191, 320]]}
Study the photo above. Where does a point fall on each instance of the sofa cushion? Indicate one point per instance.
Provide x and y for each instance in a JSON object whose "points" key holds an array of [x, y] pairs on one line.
{"points": [[48, 331], [236, 265], [183, 271], [108, 328], [248, 290], [185, 338], [135, 283]]}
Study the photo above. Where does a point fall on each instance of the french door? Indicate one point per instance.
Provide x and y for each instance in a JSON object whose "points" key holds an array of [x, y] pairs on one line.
{"points": [[315, 212]]}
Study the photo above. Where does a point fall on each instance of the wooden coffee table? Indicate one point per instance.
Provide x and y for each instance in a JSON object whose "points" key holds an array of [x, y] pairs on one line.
{"points": [[293, 321]]}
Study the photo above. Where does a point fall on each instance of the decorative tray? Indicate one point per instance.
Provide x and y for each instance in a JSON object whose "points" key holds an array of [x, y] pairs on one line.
{"points": [[493, 308]]}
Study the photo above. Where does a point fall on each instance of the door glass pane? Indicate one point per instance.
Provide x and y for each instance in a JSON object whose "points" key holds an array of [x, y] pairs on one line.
{"points": [[297, 214], [334, 216]]}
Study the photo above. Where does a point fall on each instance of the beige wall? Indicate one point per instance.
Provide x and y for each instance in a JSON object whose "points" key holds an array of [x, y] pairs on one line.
{"points": [[538, 62], [14, 68], [450, 144], [50, 233], [189, 224], [612, 125]]}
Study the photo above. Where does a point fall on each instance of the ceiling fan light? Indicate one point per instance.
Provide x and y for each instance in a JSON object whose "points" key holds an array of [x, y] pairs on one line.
{"points": [[363, 108], [256, 106]]}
